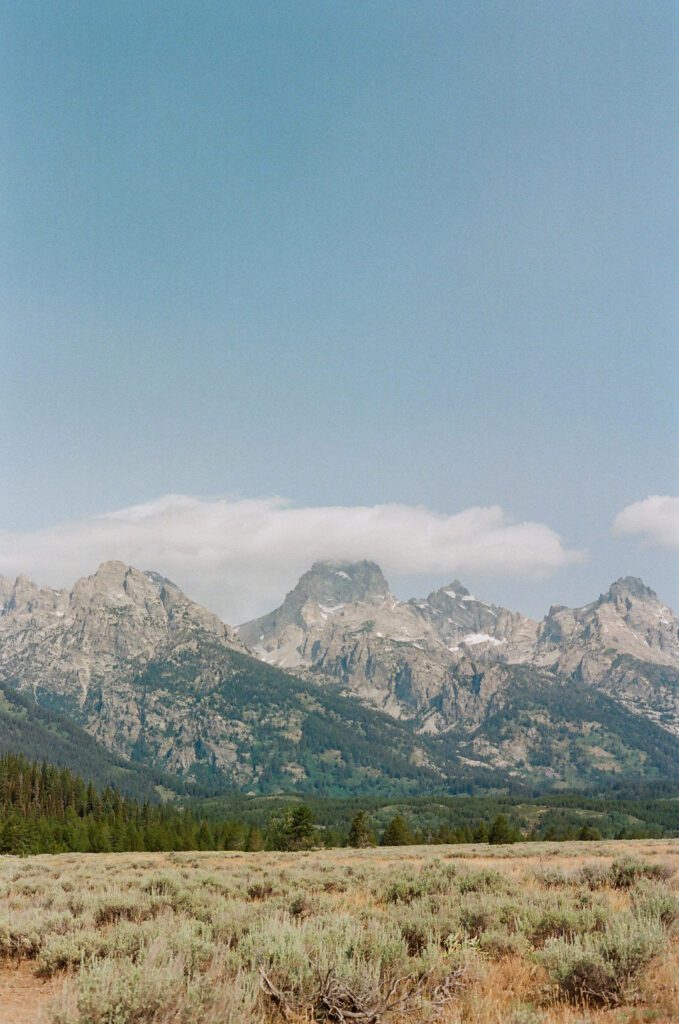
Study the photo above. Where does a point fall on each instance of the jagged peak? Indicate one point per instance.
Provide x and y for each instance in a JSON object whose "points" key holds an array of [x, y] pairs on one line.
{"points": [[113, 567], [453, 591], [117, 582], [15, 591], [629, 586], [159, 579], [23, 585], [341, 582]]}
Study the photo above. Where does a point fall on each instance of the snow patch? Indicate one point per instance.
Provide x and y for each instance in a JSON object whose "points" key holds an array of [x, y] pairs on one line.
{"points": [[331, 611], [480, 638]]}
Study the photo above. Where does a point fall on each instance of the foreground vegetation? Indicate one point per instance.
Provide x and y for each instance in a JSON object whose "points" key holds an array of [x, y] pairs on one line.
{"points": [[522, 934]]}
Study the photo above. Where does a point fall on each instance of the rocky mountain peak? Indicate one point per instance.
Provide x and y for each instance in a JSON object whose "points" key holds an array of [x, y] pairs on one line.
{"points": [[115, 583], [6, 588], [452, 595], [629, 587], [22, 594], [334, 583], [100, 630]]}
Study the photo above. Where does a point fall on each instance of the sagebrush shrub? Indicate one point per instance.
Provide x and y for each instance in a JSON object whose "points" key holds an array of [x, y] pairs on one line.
{"points": [[626, 871], [655, 900], [602, 968]]}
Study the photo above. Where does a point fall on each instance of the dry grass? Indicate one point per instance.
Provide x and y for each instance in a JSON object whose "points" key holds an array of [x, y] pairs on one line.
{"points": [[563, 933]]}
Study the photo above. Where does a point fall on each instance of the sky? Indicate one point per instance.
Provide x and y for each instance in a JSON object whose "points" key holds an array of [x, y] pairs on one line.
{"points": [[366, 279]]}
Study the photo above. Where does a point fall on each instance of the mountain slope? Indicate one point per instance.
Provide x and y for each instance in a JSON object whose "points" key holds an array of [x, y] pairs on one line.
{"points": [[415, 659], [342, 625], [42, 735], [552, 730], [387, 696], [154, 678]]}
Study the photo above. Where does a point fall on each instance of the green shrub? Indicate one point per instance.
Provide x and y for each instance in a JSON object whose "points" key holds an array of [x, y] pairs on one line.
{"points": [[476, 918], [23, 935], [498, 944], [627, 871], [161, 885], [156, 991], [592, 876], [404, 889], [552, 878], [655, 900], [601, 968], [117, 908], [63, 952], [566, 923], [260, 890], [483, 881]]}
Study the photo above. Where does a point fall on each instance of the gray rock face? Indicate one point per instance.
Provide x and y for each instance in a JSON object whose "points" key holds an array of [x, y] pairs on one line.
{"points": [[154, 676], [628, 620], [411, 659], [419, 659], [341, 624], [64, 642]]}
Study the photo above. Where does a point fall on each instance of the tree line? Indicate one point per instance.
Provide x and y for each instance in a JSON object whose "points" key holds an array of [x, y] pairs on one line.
{"points": [[46, 809]]}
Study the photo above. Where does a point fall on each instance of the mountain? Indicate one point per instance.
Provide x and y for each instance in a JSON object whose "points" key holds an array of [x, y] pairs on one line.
{"points": [[629, 620], [454, 665], [342, 625], [42, 735], [342, 690], [155, 680]]}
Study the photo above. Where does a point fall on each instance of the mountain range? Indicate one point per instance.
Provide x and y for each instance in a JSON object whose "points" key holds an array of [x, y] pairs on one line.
{"points": [[343, 688]]}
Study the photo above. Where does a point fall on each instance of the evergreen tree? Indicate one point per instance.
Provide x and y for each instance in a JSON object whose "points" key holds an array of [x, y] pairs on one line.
{"points": [[254, 840], [502, 832], [360, 834], [397, 833], [480, 834], [300, 829]]}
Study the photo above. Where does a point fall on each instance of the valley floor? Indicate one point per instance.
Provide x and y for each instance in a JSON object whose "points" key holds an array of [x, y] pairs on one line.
{"points": [[539, 933]]}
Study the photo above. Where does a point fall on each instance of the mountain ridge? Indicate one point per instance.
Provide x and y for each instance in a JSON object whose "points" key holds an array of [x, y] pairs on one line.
{"points": [[352, 690], [405, 656]]}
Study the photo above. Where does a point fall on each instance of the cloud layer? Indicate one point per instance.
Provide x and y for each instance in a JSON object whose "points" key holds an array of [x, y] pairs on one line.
{"points": [[239, 557], [655, 520]]}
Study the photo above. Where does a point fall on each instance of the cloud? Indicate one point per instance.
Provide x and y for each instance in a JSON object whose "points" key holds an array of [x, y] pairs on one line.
{"points": [[239, 557], [655, 520]]}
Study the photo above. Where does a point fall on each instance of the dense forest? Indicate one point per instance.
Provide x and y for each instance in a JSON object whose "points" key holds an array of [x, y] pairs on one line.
{"points": [[46, 809]]}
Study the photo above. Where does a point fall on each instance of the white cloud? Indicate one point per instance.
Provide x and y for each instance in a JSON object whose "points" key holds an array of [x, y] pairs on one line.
{"points": [[239, 557], [655, 520]]}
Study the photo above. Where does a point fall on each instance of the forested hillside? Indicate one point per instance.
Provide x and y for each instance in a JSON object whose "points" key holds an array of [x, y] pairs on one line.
{"points": [[45, 809], [43, 735]]}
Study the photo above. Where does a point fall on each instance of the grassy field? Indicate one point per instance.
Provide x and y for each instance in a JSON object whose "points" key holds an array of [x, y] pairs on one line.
{"points": [[524, 934]]}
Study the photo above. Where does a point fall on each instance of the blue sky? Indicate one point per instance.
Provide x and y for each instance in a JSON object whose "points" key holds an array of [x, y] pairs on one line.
{"points": [[350, 254]]}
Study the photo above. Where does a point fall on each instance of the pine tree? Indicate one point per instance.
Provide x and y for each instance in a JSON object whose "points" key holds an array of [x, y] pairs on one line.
{"points": [[360, 834], [502, 832], [301, 829], [480, 834], [397, 833], [254, 840]]}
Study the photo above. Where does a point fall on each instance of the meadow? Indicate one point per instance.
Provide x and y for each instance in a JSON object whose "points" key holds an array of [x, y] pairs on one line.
{"points": [[533, 933]]}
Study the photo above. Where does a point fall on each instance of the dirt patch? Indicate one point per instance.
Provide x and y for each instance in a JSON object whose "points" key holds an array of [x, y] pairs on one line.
{"points": [[23, 996]]}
